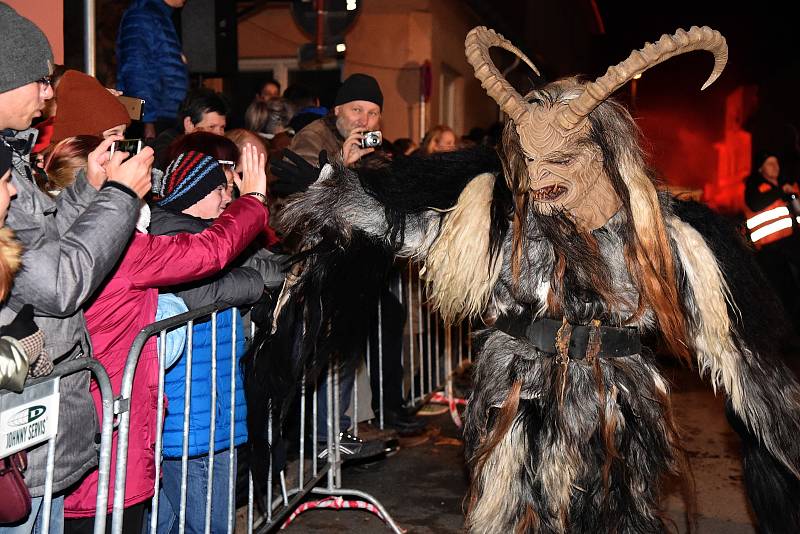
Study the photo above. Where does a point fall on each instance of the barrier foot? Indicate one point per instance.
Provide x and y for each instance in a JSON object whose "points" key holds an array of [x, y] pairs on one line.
{"points": [[337, 503]]}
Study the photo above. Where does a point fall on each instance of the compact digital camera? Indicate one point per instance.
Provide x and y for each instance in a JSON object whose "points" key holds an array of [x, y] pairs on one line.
{"points": [[371, 139]]}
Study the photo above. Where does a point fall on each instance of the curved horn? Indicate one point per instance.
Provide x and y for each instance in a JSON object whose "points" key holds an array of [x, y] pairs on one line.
{"points": [[639, 61], [477, 45]]}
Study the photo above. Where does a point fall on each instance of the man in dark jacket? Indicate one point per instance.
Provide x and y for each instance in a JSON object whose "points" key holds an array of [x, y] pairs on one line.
{"points": [[357, 110], [70, 244], [151, 65], [203, 110]]}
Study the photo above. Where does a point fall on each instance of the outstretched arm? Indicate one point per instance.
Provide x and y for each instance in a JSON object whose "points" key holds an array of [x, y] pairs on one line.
{"points": [[402, 202]]}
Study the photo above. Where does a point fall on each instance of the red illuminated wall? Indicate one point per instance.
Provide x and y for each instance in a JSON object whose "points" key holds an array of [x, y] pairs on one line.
{"points": [[733, 155], [704, 150]]}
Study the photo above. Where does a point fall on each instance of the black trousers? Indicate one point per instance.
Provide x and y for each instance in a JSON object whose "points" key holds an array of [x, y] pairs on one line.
{"points": [[393, 317], [132, 521]]}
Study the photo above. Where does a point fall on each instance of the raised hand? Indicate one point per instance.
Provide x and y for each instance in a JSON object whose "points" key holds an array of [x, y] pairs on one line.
{"points": [[97, 161], [351, 149], [134, 173], [254, 174]]}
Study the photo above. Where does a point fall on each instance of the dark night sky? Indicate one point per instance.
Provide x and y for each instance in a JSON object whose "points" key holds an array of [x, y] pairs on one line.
{"points": [[764, 54]]}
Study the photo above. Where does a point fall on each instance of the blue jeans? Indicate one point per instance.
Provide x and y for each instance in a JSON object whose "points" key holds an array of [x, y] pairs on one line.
{"points": [[169, 500], [33, 525]]}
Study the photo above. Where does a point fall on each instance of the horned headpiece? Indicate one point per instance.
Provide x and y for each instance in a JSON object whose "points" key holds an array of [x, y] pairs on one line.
{"points": [[571, 116]]}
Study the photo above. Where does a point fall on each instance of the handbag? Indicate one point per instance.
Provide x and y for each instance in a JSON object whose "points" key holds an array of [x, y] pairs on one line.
{"points": [[15, 504]]}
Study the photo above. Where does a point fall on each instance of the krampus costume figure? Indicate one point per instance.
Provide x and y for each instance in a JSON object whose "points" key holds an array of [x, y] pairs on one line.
{"points": [[567, 251]]}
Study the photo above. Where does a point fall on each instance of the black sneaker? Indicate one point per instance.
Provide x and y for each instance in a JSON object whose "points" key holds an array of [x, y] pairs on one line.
{"points": [[353, 448]]}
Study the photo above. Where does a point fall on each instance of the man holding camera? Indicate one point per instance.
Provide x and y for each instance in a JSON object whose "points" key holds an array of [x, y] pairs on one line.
{"points": [[70, 244], [356, 112], [352, 133]]}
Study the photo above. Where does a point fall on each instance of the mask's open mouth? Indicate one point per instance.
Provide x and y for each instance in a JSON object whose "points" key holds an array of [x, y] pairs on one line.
{"points": [[549, 193]]}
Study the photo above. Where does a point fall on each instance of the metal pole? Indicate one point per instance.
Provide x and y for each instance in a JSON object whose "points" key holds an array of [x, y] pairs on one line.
{"points": [[409, 305], [187, 397], [232, 434], [436, 350], [48, 483], [421, 340], [212, 434], [301, 474], [430, 357], [314, 430], [337, 465], [89, 37], [380, 365], [162, 355], [355, 396]]}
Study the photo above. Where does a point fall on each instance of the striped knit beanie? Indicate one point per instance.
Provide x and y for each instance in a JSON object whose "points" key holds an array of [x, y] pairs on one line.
{"points": [[189, 178]]}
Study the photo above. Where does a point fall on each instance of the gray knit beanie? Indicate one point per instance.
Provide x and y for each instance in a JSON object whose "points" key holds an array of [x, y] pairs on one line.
{"points": [[25, 55]]}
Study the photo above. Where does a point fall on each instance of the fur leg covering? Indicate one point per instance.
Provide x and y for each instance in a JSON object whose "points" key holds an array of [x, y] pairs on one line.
{"points": [[583, 461], [736, 333], [773, 491]]}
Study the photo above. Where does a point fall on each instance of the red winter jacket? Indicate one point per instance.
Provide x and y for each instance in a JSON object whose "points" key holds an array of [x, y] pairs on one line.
{"points": [[126, 304]]}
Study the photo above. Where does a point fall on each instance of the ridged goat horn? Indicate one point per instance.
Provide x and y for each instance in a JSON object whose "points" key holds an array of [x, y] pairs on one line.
{"points": [[477, 45], [639, 61]]}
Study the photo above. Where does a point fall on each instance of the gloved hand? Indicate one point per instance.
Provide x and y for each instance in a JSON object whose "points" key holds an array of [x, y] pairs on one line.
{"points": [[294, 175]]}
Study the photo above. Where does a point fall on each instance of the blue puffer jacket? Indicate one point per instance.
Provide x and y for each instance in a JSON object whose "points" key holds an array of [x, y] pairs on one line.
{"points": [[149, 58], [200, 407]]}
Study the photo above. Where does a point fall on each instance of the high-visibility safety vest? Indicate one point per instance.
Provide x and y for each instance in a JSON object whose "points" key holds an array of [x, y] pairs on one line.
{"points": [[770, 224]]}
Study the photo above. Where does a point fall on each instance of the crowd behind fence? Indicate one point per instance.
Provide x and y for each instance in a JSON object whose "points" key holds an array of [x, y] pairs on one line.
{"points": [[431, 353]]}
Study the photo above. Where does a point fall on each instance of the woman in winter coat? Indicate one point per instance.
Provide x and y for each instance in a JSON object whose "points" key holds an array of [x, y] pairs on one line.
{"points": [[241, 285], [127, 303], [21, 341]]}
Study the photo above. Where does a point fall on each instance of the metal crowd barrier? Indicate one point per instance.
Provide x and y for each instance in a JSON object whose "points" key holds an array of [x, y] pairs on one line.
{"points": [[282, 497], [435, 351], [432, 352], [37, 407]]}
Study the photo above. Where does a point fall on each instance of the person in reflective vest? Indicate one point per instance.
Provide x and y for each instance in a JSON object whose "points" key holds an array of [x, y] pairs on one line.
{"points": [[772, 219], [768, 196]]}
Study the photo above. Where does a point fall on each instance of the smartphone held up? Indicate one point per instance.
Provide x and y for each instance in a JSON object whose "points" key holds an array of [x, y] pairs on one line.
{"points": [[131, 146]]}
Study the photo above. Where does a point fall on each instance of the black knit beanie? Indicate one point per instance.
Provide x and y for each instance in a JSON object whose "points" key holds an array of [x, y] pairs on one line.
{"points": [[189, 178], [359, 87], [26, 55], [761, 156]]}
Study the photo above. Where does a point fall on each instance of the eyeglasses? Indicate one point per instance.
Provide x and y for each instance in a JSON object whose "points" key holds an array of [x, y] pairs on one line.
{"points": [[45, 80], [227, 164]]}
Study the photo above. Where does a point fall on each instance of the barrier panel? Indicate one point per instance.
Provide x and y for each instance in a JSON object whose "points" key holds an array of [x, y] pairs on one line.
{"points": [[31, 417], [434, 351], [305, 473]]}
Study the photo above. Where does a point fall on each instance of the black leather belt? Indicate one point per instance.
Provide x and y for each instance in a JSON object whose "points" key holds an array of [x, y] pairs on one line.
{"points": [[544, 335]]}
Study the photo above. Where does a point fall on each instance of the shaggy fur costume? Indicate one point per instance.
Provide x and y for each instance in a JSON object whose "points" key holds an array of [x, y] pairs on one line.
{"points": [[580, 447]]}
